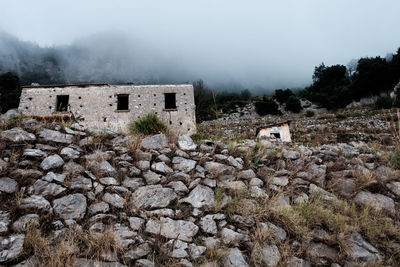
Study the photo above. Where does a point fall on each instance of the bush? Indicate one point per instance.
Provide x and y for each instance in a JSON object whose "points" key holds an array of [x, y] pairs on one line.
{"points": [[383, 102], [310, 113], [267, 106], [340, 116], [150, 124], [293, 104], [282, 95], [395, 159]]}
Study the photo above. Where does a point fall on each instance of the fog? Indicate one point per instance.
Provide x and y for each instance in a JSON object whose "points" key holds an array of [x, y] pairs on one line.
{"points": [[233, 44]]}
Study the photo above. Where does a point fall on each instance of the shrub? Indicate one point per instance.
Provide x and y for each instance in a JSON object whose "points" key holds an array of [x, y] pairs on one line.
{"points": [[310, 113], [395, 159], [150, 124], [383, 102], [282, 95], [340, 116], [293, 104], [267, 106]]}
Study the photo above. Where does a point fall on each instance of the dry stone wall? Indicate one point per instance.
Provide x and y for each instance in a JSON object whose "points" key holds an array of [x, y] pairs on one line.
{"points": [[96, 105]]}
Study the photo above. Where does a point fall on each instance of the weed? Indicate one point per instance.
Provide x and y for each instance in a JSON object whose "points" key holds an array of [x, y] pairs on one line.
{"points": [[310, 113], [149, 124], [395, 159]]}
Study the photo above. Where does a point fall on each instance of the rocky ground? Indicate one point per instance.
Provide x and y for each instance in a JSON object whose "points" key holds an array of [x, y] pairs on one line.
{"points": [[71, 197]]}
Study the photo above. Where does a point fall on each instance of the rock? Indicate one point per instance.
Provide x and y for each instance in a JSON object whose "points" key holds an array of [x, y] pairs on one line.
{"points": [[17, 135], [70, 153], [114, 200], [234, 162], [103, 169], [279, 181], [178, 187], [182, 164], [233, 185], [10, 114], [43, 188], [208, 225], [392, 186], [177, 248], [345, 187], [135, 223], [246, 174], [73, 168], [153, 196], [132, 183], [8, 185], [296, 262], [325, 195], [108, 181], [321, 254], [235, 258], [70, 207], [161, 167], [81, 183], [153, 227], [143, 165], [293, 155], [270, 255], [182, 230], [4, 221], [200, 196], [186, 143], [52, 162], [361, 250], [278, 234], [21, 224], [34, 153], [35, 202], [144, 263], [157, 141], [55, 136], [21, 173], [196, 251], [375, 201], [138, 252], [152, 177], [233, 238], [100, 207], [217, 169], [82, 262], [11, 247]]}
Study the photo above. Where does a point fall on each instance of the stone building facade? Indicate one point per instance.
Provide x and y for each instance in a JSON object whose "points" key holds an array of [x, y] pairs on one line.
{"points": [[114, 106], [278, 131]]}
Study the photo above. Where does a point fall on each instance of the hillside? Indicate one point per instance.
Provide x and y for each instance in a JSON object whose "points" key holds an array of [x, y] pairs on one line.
{"points": [[74, 197]]}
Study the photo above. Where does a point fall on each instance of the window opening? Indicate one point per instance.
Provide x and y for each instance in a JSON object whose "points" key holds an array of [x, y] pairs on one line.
{"points": [[62, 102], [170, 100], [123, 102]]}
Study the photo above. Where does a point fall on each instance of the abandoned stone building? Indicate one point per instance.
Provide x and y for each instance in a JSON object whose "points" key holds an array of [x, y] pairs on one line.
{"points": [[113, 106], [276, 131]]}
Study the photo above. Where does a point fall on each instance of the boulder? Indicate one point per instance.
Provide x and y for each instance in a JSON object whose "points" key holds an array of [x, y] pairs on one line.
{"points": [[44, 188], [52, 162], [186, 143], [11, 247], [153, 196], [20, 224], [156, 142], [270, 255], [34, 153], [182, 164], [235, 259], [17, 135], [200, 196], [35, 202], [361, 250], [114, 200], [182, 230], [376, 201], [8, 185], [70, 207], [69, 153], [55, 136]]}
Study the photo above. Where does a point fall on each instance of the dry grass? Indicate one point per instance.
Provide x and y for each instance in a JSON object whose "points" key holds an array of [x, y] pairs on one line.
{"points": [[364, 178]]}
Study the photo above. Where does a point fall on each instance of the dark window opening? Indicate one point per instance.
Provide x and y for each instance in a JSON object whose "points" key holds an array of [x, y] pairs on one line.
{"points": [[104, 119], [30, 98], [276, 135], [123, 102], [62, 102], [170, 101], [170, 122]]}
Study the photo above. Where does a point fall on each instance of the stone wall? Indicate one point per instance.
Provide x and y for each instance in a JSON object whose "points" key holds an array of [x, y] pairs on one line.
{"points": [[96, 105]]}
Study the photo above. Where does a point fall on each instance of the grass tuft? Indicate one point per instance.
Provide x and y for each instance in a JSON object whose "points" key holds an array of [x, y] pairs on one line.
{"points": [[150, 124]]}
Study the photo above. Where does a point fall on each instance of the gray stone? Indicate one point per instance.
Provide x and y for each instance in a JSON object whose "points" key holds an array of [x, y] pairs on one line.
{"points": [[51, 176], [321, 254], [82, 262], [375, 201], [361, 250], [43, 188], [157, 141], [277, 232], [182, 164], [73, 168], [217, 169], [81, 183], [100, 207], [70, 153], [132, 183], [293, 155], [4, 221], [186, 143], [8, 185], [208, 225], [143, 165], [21, 224], [11, 247], [135, 223], [71, 206], [52, 162], [297, 262], [103, 169], [10, 114], [35, 202], [177, 248], [152, 177], [108, 181], [144, 263], [246, 174], [55, 136], [17, 135], [138, 252], [178, 187], [394, 187], [200, 196], [182, 230], [231, 237], [270, 255], [153, 196], [196, 251], [235, 259], [153, 227], [114, 200], [161, 167], [34, 153]]}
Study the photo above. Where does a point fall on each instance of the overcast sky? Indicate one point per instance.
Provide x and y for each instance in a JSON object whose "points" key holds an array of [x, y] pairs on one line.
{"points": [[267, 43]]}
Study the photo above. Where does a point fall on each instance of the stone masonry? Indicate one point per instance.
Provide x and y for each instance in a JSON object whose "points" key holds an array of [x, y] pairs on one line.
{"points": [[97, 105]]}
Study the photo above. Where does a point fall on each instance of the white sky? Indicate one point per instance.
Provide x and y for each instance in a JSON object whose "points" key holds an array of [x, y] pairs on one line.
{"points": [[270, 43]]}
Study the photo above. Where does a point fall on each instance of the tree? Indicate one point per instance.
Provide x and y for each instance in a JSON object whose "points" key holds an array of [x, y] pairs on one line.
{"points": [[204, 101], [293, 104], [267, 106], [10, 91], [245, 94], [282, 95]]}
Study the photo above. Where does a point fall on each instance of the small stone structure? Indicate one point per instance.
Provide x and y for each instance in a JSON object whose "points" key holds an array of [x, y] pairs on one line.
{"points": [[279, 131], [113, 106]]}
